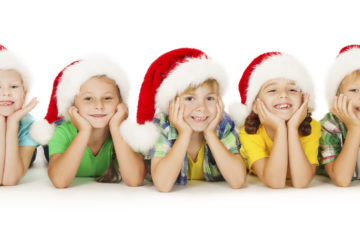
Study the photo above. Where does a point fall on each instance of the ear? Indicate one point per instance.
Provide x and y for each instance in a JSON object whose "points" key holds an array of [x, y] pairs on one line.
{"points": [[254, 106]]}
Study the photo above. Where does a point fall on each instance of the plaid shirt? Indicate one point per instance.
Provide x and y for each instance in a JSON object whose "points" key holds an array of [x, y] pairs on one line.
{"points": [[225, 131], [333, 134]]}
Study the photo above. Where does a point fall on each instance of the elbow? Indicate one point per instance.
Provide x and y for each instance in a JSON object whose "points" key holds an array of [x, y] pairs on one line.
{"points": [[301, 185], [276, 185], [341, 182], [10, 181], [239, 183], [133, 182], [58, 182], [163, 187]]}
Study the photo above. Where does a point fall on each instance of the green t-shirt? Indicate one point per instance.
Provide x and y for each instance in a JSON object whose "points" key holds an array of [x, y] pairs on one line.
{"points": [[90, 166]]}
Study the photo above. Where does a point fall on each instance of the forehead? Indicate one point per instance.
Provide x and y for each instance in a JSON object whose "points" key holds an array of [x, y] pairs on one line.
{"points": [[98, 85], [350, 81], [202, 89], [10, 75], [279, 82]]}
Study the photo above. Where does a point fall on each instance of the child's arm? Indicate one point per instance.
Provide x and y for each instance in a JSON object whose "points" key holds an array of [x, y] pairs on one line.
{"points": [[131, 164], [342, 169], [64, 166], [165, 170], [231, 165], [272, 170], [301, 170], [17, 159], [2, 146]]}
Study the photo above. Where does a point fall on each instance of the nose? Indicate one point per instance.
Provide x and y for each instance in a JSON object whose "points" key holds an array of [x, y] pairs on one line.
{"points": [[5, 92], [200, 105], [99, 105], [283, 94]]}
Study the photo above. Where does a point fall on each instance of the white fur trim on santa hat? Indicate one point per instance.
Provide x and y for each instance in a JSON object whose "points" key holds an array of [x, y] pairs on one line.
{"points": [[192, 72], [280, 66], [9, 61], [41, 131], [346, 63], [146, 135], [239, 112], [77, 74]]}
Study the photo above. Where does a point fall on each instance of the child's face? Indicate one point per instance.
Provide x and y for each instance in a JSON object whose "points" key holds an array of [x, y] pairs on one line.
{"points": [[351, 89], [97, 101], [281, 97], [12, 93], [199, 107]]}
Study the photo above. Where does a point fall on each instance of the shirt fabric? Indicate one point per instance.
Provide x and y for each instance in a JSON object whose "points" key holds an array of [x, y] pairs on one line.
{"points": [[259, 145], [23, 133], [90, 166], [225, 131], [195, 169]]}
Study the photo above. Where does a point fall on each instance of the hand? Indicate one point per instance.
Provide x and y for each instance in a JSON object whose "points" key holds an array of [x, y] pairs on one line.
{"points": [[119, 116], [211, 127], [343, 109], [78, 121], [300, 114], [266, 117], [176, 116], [19, 114]]}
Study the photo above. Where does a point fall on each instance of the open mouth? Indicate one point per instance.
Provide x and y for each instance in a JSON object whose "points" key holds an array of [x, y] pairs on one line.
{"points": [[357, 109], [283, 106], [98, 115], [199, 119], [6, 103]]}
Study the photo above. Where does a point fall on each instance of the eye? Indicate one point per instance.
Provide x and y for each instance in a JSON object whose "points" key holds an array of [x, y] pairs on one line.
{"points": [[189, 98], [354, 90], [210, 98], [293, 90], [88, 99], [14, 86], [108, 98], [271, 90]]}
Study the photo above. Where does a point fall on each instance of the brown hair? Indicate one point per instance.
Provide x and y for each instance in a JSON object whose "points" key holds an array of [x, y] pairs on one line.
{"points": [[212, 83], [112, 174], [252, 124], [350, 77]]}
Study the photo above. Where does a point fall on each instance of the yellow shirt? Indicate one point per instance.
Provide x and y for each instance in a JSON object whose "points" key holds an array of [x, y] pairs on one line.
{"points": [[195, 169], [259, 145]]}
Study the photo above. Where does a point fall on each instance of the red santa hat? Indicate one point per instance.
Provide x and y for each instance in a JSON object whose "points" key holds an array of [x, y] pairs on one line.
{"points": [[67, 85], [8, 61], [265, 67], [168, 76], [346, 62]]}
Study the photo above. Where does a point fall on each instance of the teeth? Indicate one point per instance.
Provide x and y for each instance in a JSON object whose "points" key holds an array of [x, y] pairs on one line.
{"points": [[7, 103], [199, 118], [283, 106]]}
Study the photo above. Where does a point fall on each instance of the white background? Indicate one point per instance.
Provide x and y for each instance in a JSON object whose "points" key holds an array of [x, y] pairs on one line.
{"points": [[48, 35]]}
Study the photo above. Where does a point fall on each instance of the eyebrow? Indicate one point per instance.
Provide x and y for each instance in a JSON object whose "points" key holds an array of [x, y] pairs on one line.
{"points": [[274, 83]]}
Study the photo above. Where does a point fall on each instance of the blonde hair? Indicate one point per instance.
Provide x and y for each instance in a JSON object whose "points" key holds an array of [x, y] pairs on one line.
{"points": [[350, 77], [211, 83]]}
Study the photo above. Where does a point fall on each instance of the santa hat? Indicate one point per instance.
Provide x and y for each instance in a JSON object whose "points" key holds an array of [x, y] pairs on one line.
{"points": [[346, 62], [8, 61], [67, 85], [167, 77], [265, 67]]}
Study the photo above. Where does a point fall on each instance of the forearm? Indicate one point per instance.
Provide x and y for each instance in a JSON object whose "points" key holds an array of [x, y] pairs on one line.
{"points": [[14, 168], [166, 170], [2, 149], [342, 169], [131, 164], [301, 170], [231, 165], [275, 168], [62, 169]]}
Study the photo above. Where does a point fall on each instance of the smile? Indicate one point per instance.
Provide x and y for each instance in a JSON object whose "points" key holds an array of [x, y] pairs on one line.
{"points": [[6, 103], [98, 115], [200, 119], [283, 106]]}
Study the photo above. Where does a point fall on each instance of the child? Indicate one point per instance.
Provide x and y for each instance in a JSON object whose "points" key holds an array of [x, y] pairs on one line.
{"points": [[91, 96], [279, 138], [197, 140], [16, 145], [340, 141]]}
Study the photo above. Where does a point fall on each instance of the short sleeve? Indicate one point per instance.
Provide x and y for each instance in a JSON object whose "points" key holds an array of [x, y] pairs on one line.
{"points": [[60, 140], [253, 147], [329, 144], [310, 143], [23, 134], [228, 135]]}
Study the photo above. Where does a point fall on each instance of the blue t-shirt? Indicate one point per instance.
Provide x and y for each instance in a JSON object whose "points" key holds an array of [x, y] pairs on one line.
{"points": [[24, 127]]}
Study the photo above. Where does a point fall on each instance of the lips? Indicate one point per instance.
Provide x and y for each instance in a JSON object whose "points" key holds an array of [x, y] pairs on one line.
{"points": [[98, 115], [283, 106], [199, 118], [357, 109], [6, 103]]}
